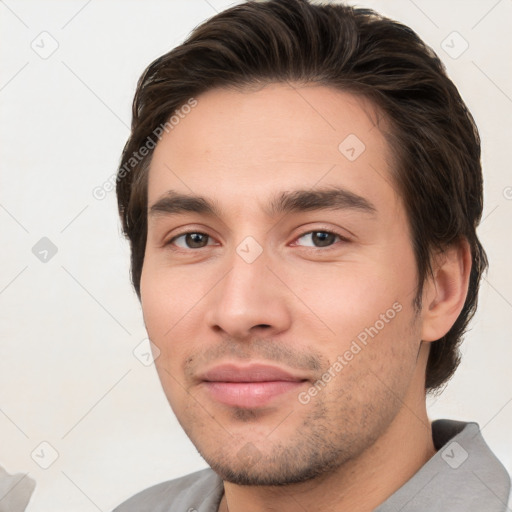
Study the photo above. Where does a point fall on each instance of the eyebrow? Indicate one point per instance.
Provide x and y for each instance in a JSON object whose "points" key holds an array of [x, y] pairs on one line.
{"points": [[334, 198]]}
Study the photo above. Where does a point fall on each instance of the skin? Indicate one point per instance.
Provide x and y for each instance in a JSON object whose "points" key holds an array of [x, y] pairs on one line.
{"points": [[297, 306]]}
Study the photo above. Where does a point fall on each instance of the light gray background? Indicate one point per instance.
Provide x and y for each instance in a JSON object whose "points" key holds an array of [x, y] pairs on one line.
{"points": [[69, 326]]}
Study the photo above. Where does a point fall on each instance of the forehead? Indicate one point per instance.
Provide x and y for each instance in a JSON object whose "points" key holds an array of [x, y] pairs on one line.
{"points": [[283, 136]]}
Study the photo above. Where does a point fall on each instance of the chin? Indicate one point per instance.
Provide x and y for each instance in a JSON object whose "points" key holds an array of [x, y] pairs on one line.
{"points": [[284, 467]]}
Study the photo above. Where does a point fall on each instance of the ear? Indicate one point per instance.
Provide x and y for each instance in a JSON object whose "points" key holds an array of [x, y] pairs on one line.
{"points": [[444, 294]]}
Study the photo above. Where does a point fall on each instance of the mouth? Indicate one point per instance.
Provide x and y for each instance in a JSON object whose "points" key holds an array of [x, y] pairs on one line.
{"points": [[249, 386]]}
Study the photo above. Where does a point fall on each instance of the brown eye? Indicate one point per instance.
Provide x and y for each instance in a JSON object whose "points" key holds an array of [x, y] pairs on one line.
{"points": [[323, 238], [318, 239], [191, 240]]}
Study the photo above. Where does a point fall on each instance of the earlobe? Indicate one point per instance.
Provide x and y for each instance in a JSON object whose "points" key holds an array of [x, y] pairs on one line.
{"points": [[445, 293]]}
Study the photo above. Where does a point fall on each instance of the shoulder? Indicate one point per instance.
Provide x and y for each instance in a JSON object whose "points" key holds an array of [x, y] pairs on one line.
{"points": [[463, 475], [197, 492]]}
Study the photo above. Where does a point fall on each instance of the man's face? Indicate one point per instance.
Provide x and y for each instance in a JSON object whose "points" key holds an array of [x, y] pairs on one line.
{"points": [[285, 322]]}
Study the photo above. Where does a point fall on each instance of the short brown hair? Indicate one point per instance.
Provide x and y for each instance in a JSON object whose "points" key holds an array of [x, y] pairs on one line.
{"points": [[433, 135]]}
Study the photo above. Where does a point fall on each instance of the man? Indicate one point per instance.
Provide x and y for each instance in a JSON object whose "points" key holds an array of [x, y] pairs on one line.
{"points": [[301, 190]]}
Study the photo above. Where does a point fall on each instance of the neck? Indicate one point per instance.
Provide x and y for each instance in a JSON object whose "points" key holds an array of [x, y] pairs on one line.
{"points": [[360, 485]]}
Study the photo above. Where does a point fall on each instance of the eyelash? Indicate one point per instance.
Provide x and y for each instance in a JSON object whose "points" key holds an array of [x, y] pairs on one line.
{"points": [[330, 232]]}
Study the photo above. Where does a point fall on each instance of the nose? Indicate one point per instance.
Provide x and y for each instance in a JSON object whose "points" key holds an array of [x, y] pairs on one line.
{"points": [[249, 301]]}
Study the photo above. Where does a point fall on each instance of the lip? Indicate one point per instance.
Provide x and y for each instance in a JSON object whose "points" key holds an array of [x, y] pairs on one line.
{"points": [[249, 386]]}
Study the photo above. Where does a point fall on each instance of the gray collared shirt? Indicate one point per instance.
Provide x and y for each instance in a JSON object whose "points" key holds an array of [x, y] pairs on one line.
{"points": [[463, 476]]}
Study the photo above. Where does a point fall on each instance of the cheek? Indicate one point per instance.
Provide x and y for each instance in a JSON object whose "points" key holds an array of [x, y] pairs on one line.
{"points": [[368, 307], [156, 302], [351, 297], [163, 305], [168, 296], [375, 366]]}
